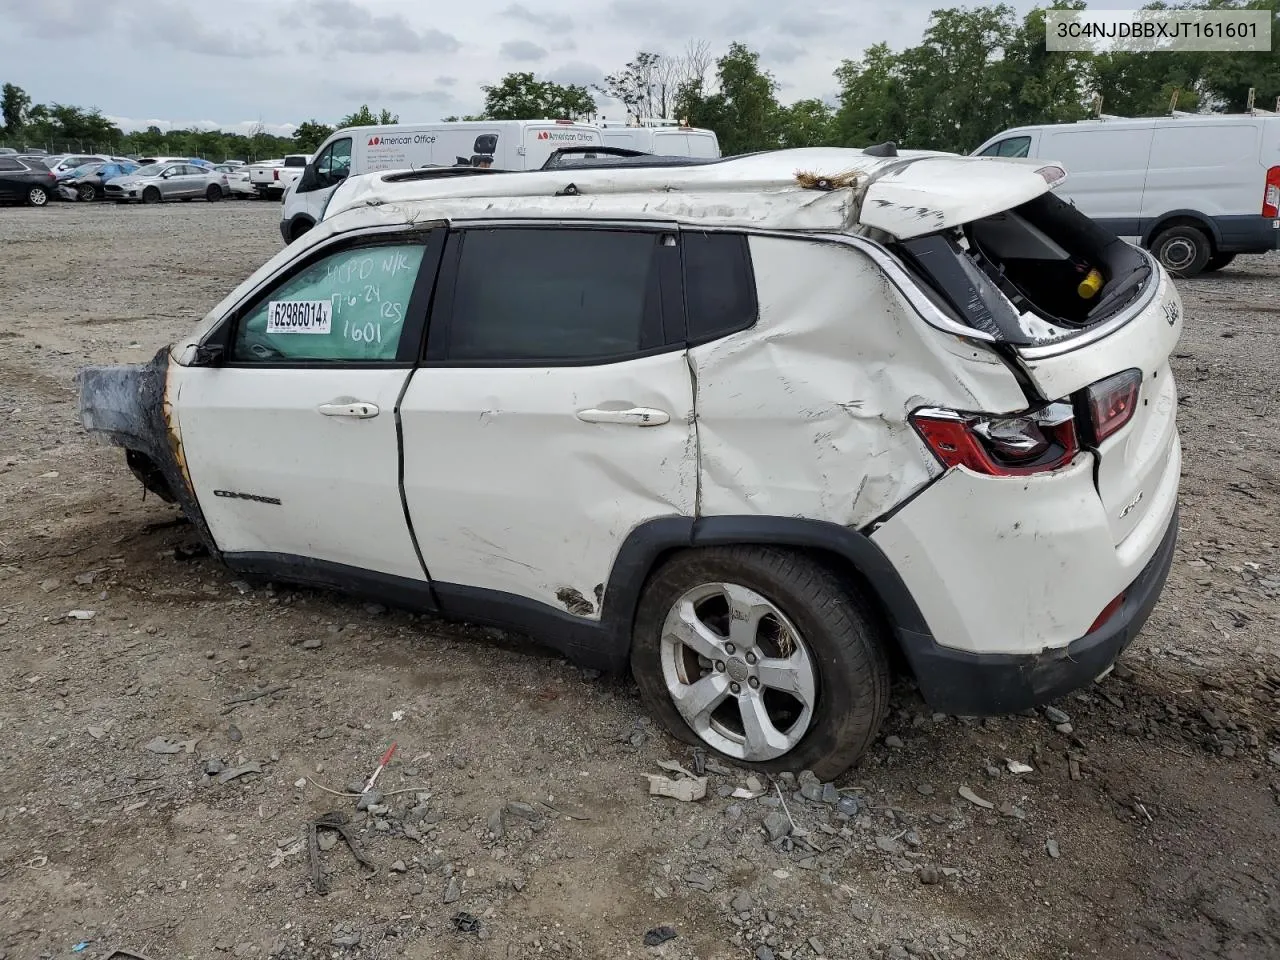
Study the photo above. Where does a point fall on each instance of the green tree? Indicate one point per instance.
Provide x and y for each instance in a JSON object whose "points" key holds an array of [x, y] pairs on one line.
{"points": [[364, 117], [310, 135], [521, 96], [743, 112], [14, 102], [873, 99], [807, 123]]}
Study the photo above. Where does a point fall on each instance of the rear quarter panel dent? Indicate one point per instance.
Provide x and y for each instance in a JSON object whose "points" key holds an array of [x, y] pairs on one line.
{"points": [[806, 413]]}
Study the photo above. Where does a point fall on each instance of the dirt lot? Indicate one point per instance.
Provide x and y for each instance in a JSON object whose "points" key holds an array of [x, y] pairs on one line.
{"points": [[1148, 827]]}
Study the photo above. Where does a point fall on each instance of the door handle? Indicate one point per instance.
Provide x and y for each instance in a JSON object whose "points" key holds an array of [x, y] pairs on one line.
{"points": [[355, 409], [632, 416]]}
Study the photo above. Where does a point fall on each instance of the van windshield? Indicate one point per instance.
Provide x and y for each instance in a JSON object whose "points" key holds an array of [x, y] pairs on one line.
{"points": [[1038, 272]]}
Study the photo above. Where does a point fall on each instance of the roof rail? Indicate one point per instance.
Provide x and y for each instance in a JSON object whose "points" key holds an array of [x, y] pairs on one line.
{"points": [[438, 173]]}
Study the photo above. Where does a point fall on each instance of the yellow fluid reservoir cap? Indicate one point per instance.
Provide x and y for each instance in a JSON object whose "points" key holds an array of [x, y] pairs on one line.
{"points": [[1090, 285]]}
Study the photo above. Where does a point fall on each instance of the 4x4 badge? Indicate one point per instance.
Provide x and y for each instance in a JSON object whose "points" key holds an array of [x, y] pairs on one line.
{"points": [[1171, 312]]}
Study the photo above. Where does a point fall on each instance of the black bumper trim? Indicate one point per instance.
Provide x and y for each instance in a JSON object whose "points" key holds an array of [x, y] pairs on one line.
{"points": [[976, 684]]}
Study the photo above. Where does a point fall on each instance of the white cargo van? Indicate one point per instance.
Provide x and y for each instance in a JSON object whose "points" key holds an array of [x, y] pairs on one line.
{"points": [[505, 144], [1196, 189], [662, 137]]}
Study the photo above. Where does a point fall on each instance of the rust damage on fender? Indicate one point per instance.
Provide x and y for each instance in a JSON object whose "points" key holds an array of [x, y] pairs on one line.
{"points": [[131, 406]]}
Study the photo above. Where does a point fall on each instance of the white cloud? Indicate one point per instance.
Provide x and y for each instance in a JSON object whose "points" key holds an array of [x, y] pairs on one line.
{"points": [[294, 60]]}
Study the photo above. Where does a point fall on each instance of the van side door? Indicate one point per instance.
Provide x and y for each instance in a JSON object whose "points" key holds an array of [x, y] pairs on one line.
{"points": [[1106, 170], [1212, 169]]}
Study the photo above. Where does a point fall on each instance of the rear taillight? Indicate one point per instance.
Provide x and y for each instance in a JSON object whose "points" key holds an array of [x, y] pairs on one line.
{"points": [[1033, 442], [1271, 195], [275, 174], [1052, 174], [1111, 402]]}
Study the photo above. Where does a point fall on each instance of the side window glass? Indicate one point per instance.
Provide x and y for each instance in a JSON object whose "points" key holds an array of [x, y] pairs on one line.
{"points": [[559, 294], [333, 165], [719, 286], [993, 150], [1015, 147], [348, 306]]}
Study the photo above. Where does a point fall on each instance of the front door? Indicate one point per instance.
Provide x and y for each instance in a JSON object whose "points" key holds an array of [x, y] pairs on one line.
{"points": [[554, 411], [291, 441]]}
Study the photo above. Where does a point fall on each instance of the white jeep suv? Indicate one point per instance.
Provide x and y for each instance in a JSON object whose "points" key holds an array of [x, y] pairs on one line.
{"points": [[758, 428]]}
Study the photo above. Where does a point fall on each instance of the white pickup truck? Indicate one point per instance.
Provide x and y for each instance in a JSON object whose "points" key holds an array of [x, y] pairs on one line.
{"points": [[272, 177]]}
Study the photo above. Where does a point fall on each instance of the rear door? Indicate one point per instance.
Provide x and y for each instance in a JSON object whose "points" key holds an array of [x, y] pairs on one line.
{"points": [[195, 180], [554, 412], [292, 441]]}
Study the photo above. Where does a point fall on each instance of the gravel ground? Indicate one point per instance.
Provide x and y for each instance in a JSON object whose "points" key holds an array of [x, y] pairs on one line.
{"points": [[1146, 827]]}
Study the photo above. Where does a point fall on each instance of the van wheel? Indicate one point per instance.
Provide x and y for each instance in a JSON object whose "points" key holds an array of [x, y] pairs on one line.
{"points": [[151, 195], [763, 655], [1184, 251], [1218, 261]]}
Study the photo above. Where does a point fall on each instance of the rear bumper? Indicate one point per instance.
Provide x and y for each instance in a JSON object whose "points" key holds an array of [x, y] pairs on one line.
{"points": [[978, 684]]}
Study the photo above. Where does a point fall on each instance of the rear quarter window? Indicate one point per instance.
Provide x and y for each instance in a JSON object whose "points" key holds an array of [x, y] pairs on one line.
{"points": [[719, 285]]}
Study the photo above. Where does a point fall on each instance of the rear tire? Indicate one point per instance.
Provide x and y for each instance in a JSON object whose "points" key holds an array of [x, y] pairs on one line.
{"points": [[213, 194], [37, 196], [298, 229], [785, 603], [151, 195], [1184, 251], [1218, 261]]}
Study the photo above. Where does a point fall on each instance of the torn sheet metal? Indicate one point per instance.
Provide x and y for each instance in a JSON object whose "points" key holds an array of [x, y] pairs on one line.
{"points": [[805, 414], [133, 406]]}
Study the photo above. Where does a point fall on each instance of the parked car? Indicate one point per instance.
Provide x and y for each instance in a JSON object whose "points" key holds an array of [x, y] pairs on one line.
{"points": [[1197, 189], [26, 181], [168, 181], [68, 162], [751, 432], [237, 179], [89, 182], [8, 151], [273, 177], [661, 137]]}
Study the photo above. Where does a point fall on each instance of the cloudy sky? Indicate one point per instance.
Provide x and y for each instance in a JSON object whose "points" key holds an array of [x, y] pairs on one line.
{"points": [[232, 64]]}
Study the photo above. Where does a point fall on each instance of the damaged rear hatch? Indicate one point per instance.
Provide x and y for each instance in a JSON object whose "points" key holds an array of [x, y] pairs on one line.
{"points": [[1080, 315]]}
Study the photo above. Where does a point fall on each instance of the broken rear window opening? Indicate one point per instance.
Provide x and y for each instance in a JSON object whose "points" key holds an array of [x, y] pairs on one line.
{"points": [[1038, 272]]}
